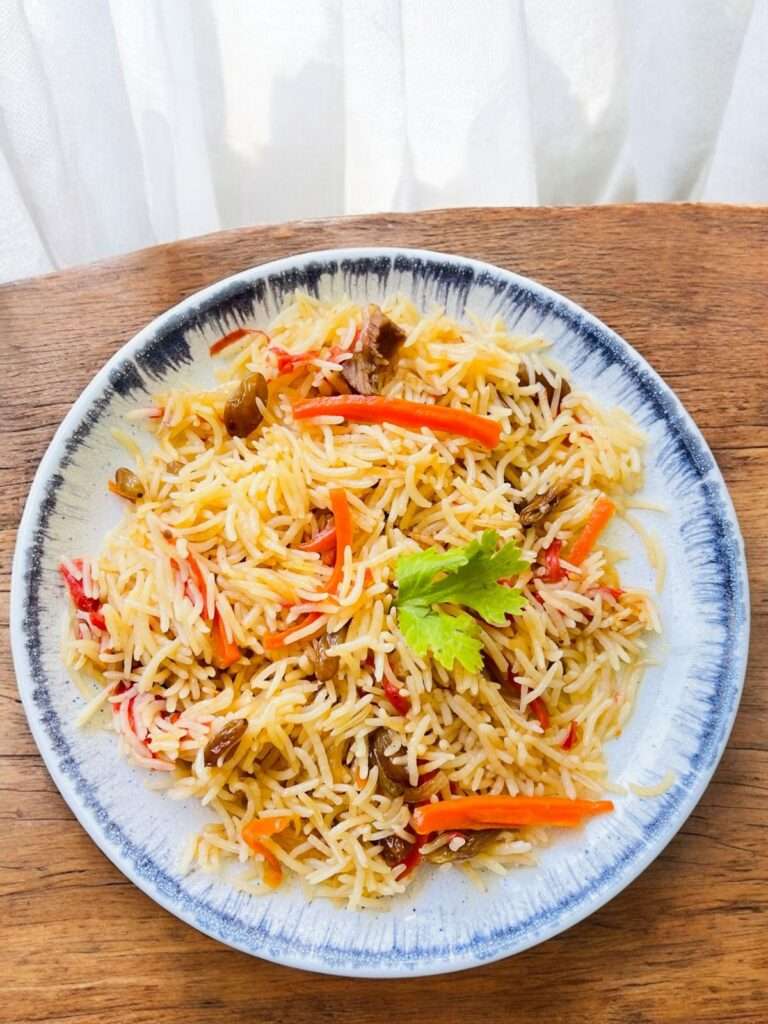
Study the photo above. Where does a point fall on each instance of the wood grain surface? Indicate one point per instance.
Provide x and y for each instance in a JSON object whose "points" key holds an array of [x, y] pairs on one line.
{"points": [[688, 941]]}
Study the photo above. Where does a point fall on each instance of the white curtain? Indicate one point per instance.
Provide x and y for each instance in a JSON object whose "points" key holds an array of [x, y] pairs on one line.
{"points": [[129, 122]]}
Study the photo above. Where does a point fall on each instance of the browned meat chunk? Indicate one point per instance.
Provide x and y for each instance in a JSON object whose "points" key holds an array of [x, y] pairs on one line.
{"points": [[549, 389], [542, 504], [370, 368]]}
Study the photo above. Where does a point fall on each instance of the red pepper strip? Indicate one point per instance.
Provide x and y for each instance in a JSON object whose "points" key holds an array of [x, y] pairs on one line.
{"points": [[539, 709], [132, 726], [401, 704], [342, 519], [229, 339], [233, 336], [554, 572], [79, 600], [273, 641], [98, 620], [226, 652], [570, 736], [537, 705], [323, 541], [614, 592], [412, 859], [375, 409], [287, 362]]}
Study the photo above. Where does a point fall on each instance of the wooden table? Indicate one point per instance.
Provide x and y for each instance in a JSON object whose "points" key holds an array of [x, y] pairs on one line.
{"points": [[688, 941]]}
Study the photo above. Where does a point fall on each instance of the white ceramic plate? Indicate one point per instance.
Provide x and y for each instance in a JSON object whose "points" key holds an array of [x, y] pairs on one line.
{"points": [[686, 705]]}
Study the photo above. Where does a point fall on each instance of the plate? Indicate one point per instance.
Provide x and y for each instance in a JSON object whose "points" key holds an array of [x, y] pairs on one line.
{"points": [[686, 706]]}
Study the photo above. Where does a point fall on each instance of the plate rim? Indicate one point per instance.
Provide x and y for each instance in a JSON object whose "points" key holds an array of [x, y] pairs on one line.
{"points": [[26, 532]]}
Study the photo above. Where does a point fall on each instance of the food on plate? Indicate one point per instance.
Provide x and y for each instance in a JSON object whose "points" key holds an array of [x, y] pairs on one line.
{"points": [[362, 602]]}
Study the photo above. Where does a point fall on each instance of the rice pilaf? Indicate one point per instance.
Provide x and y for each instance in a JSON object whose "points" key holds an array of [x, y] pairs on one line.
{"points": [[201, 617]]}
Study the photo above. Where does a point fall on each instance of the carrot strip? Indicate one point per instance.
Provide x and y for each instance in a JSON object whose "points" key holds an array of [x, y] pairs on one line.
{"points": [[264, 827], [272, 641], [273, 871], [226, 652], [375, 409], [478, 812], [598, 519], [197, 575], [342, 519], [323, 541]]}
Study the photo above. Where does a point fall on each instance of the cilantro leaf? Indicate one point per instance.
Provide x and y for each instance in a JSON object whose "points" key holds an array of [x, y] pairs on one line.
{"points": [[450, 637], [416, 572], [462, 576]]}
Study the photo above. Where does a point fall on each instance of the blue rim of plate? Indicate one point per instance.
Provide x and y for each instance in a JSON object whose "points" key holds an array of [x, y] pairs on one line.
{"points": [[162, 344]]}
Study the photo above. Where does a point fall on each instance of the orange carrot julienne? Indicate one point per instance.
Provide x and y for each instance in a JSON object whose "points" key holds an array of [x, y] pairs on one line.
{"points": [[273, 871], [264, 827], [225, 650], [273, 641], [197, 575], [342, 521], [479, 812], [325, 540], [402, 413], [598, 519]]}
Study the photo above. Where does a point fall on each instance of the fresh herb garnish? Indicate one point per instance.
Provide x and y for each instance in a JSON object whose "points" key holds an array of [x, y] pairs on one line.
{"points": [[462, 576]]}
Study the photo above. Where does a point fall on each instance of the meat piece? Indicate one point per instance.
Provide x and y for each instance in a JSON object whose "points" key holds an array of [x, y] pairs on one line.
{"points": [[370, 368], [394, 850], [127, 485], [225, 741], [550, 389], [326, 664], [392, 777], [242, 413], [540, 506], [473, 842]]}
